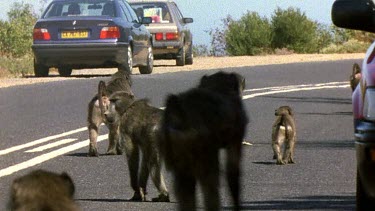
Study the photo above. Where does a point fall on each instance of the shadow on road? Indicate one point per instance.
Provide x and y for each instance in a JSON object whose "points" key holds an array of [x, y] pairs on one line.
{"points": [[302, 203]]}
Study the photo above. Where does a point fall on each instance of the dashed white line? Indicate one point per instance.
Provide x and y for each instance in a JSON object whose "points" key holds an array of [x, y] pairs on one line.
{"points": [[45, 157], [52, 145]]}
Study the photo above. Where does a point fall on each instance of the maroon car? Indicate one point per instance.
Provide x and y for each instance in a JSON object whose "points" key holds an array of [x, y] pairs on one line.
{"points": [[359, 15]]}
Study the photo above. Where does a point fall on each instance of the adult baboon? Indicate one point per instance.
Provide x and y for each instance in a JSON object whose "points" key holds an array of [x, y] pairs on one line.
{"points": [[355, 77], [120, 81], [196, 125], [139, 132], [284, 130], [42, 190]]}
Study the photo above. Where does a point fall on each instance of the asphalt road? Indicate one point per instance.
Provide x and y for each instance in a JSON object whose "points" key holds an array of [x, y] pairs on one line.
{"points": [[43, 126]]}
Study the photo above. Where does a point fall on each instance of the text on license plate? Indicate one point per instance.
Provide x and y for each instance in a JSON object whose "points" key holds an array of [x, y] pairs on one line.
{"points": [[74, 34]]}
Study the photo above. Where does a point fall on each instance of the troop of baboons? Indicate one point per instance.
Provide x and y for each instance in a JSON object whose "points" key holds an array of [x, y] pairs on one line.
{"points": [[186, 137]]}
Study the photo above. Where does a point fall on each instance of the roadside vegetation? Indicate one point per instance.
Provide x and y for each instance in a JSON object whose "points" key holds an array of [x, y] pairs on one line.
{"points": [[286, 32]]}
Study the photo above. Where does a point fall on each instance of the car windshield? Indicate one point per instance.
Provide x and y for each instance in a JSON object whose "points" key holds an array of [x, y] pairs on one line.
{"points": [[81, 8], [159, 12]]}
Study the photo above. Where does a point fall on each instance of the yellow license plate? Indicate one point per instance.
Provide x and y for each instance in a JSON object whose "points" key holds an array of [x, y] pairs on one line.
{"points": [[74, 34]]}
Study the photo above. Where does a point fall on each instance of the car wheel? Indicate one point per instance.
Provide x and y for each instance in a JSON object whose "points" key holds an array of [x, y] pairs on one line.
{"points": [[363, 201], [150, 63], [180, 61], [40, 70], [128, 66], [189, 55], [65, 71]]}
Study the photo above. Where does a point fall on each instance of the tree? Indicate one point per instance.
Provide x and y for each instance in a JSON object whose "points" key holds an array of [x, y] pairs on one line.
{"points": [[251, 35], [16, 33], [293, 30]]}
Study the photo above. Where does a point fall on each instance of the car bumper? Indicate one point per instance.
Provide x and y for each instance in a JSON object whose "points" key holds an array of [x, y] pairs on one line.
{"points": [[365, 150], [166, 49], [81, 55]]}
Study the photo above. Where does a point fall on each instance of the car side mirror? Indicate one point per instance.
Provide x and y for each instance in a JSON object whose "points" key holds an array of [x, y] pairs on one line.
{"points": [[354, 14], [187, 20], [146, 20]]}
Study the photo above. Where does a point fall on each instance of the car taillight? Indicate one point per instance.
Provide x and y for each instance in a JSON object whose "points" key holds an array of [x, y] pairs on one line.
{"points": [[159, 36], [110, 32], [171, 36], [369, 105], [41, 34]]}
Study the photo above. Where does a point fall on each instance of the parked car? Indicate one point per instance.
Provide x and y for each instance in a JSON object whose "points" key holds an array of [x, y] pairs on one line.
{"points": [[76, 34], [171, 36], [359, 15]]}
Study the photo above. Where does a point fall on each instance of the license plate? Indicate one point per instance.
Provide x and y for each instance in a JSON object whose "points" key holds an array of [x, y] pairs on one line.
{"points": [[74, 34]]}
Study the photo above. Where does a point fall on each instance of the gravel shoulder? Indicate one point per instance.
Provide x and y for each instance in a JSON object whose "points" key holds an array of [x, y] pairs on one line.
{"points": [[200, 63]]}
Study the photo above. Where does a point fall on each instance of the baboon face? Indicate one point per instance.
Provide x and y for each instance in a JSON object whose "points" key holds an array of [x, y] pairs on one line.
{"points": [[118, 103], [105, 103], [283, 110]]}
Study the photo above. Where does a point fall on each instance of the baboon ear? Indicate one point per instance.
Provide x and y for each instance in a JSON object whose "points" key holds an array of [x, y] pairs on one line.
{"points": [[290, 111]]}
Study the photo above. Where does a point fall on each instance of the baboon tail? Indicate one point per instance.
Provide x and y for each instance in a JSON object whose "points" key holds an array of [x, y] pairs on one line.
{"points": [[101, 93]]}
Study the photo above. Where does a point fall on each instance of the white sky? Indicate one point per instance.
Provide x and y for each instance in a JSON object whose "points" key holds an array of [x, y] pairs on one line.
{"points": [[207, 14]]}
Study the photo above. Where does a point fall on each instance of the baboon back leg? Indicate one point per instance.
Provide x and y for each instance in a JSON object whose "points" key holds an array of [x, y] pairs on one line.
{"points": [[157, 178], [276, 146], [113, 137], [234, 154], [184, 186], [209, 180], [289, 151], [93, 135], [132, 155]]}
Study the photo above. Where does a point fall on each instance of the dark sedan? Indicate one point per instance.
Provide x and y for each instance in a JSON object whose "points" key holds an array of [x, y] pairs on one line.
{"points": [[359, 15], [77, 34]]}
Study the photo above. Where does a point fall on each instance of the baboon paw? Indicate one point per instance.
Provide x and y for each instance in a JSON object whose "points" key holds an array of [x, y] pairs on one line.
{"points": [[161, 198], [138, 197], [279, 162], [292, 162], [111, 152], [93, 153]]}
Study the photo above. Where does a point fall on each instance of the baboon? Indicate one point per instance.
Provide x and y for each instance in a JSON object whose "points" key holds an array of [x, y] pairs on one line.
{"points": [[120, 81], [355, 77], [139, 132], [284, 130], [196, 125], [42, 190]]}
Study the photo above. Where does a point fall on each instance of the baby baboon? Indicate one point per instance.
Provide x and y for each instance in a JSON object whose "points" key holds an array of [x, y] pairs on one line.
{"points": [[139, 132], [284, 130], [355, 77], [120, 81], [196, 125], [42, 190]]}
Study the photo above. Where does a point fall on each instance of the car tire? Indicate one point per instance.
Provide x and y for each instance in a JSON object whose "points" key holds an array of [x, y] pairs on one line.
{"points": [[40, 70], [65, 71], [150, 63], [180, 61], [189, 55], [128, 65], [363, 201]]}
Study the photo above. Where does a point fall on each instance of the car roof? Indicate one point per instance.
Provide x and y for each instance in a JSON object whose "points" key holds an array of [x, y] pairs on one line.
{"points": [[75, 0], [146, 1]]}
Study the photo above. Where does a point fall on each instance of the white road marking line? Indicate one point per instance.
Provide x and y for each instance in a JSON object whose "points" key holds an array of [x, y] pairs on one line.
{"points": [[39, 141], [295, 86], [45, 157], [51, 145], [245, 97]]}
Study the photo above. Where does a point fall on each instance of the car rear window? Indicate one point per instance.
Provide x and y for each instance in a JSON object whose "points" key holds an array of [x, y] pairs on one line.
{"points": [[81, 8], [159, 12]]}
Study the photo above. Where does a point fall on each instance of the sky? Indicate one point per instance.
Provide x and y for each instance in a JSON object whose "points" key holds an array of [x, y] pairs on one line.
{"points": [[207, 14]]}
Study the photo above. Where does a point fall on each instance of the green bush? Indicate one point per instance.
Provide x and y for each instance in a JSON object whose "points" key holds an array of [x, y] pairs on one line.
{"points": [[351, 46], [251, 35], [293, 30]]}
